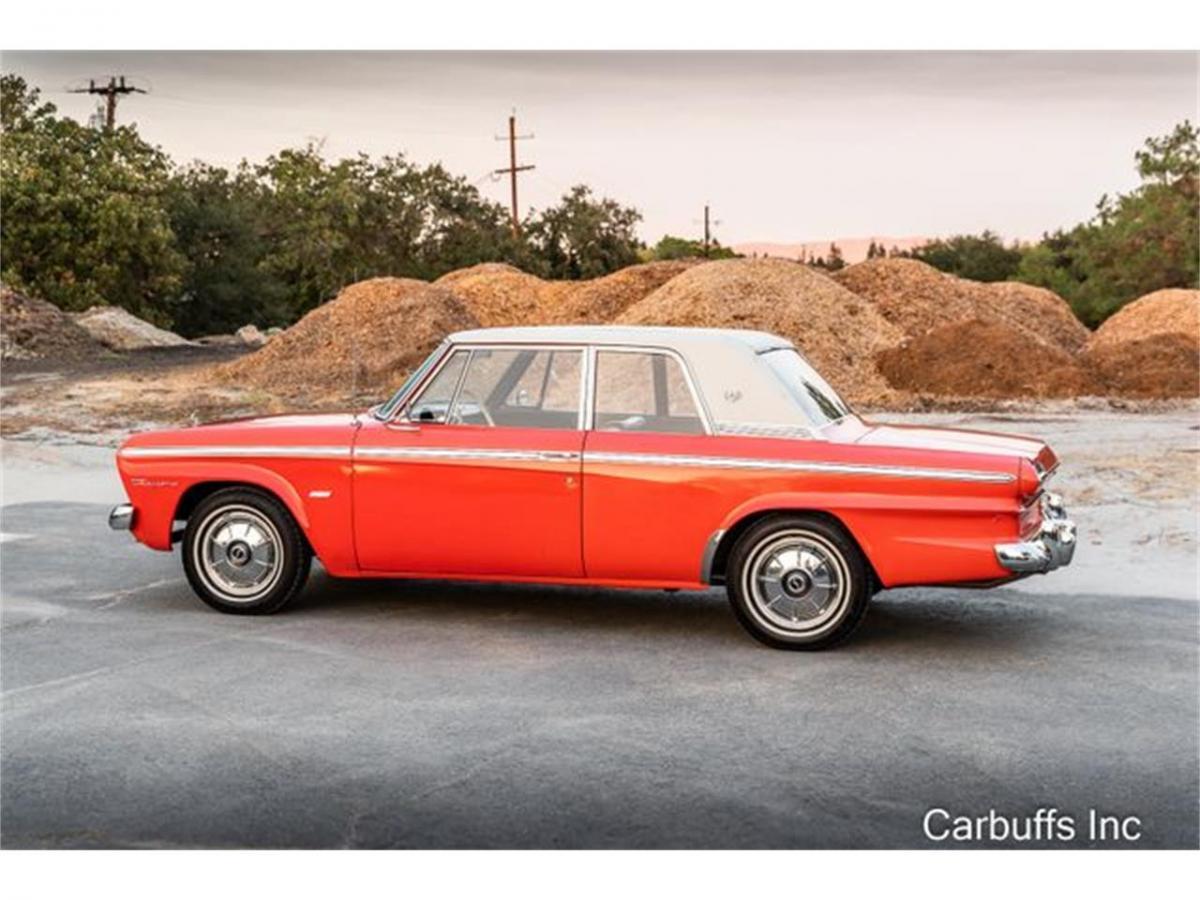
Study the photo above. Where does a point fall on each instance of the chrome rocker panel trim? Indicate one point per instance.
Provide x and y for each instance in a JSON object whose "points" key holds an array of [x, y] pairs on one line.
{"points": [[1053, 548], [120, 518]]}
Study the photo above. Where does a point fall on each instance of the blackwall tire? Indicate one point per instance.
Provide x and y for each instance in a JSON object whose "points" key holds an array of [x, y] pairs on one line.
{"points": [[244, 554], [798, 582]]}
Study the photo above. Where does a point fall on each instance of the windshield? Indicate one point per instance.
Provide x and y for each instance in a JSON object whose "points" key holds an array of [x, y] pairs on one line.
{"points": [[820, 402], [387, 410]]}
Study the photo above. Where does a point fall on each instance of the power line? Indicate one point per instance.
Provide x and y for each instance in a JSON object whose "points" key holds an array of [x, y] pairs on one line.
{"points": [[115, 88], [513, 168]]}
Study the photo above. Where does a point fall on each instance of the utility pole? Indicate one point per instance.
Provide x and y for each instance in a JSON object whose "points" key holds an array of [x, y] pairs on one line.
{"points": [[513, 168], [709, 222], [115, 88]]}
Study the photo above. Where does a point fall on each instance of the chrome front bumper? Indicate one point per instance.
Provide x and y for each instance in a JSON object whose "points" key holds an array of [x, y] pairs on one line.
{"points": [[121, 517], [1053, 547]]}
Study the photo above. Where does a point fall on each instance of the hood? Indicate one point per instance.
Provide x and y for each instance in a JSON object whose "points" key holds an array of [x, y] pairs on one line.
{"points": [[287, 420], [916, 437], [324, 428]]}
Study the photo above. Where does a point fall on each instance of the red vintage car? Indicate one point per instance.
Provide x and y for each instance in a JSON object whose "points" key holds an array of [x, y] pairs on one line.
{"points": [[607, 456]]}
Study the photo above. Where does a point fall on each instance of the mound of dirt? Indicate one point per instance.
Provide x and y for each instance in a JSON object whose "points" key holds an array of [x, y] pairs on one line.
{"points": [[913, 296], [1036, 309], [838, 331], [490, 268], [35, 329], [1151, 347], [918, 298], [364, 340], [600, 300], [120, 329], [497, 294], [983, 358]]}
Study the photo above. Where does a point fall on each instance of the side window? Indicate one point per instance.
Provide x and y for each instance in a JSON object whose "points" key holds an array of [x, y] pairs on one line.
{"points": [[520, 389], [643, 392], [434, 402]]}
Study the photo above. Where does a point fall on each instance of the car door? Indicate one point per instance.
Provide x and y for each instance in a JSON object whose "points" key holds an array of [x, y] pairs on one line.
{"points": [[647, 512], [480, 476]]}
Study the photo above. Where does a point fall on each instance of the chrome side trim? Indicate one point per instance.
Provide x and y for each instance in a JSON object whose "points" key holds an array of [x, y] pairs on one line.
{"points": [[247, 451], [467, 454], [710, 553], [784, 465]]}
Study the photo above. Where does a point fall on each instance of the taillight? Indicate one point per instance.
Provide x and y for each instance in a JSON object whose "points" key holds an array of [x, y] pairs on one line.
{"points": [[1029, 480]]}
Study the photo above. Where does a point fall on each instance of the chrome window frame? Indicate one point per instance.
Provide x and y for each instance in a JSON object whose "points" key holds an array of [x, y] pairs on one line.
{"points": [[697, 399], [586, 420], [582, 349]]}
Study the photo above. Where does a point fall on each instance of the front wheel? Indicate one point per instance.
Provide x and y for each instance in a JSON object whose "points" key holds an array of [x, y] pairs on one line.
{"points": [[243, 552], [798, 582]]}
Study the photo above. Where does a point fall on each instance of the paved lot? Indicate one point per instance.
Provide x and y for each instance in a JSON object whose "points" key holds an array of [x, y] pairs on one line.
{"points": [[390, 714]]}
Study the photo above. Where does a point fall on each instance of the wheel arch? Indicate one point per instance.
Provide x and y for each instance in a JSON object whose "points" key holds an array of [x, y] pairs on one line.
{"points": [[196, 493], [717, 558]]}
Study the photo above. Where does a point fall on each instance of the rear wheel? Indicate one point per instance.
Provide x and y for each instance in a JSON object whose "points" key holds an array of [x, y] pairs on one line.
{"points": [[798, 582], [243, 552]]}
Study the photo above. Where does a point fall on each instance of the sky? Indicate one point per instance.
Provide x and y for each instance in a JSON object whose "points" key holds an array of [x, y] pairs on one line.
{"points": [[795, 146]]}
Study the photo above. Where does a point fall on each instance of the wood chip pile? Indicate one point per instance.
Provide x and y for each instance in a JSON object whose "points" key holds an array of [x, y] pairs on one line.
{"points": [[1151, 348], [35, 329], [364, 341], [601, 300], [947, 351], [497, 294], [884, 332], [838, 331], [984, 358]]}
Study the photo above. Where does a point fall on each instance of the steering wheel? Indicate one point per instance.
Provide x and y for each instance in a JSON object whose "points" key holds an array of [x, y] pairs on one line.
{"points": [[463, 394]]}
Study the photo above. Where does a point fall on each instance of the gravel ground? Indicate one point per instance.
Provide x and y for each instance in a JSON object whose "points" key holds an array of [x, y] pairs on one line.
{"points": [[418, 714]]}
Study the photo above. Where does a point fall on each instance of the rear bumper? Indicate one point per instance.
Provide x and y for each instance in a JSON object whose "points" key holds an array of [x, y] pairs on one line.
{"points": [[1053, 548], [120, 518]]}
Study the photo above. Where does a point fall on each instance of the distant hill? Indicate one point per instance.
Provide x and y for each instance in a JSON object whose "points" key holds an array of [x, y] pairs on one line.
{"points": [[854, 249]]}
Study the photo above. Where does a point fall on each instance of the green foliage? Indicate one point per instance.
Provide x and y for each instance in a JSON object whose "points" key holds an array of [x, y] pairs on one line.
{"points": [[831, 263], [979, 257], [217, 218], [103, 217], [671, 247], [583, 237], [85, 218], [1137, 243]]}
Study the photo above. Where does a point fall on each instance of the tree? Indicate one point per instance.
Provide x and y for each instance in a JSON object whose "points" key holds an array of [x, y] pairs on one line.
{"points": [[671, 247], [85, 220], [332, 223], [876, 251], [835, 260], [217, 220], [583, 237], [979, 257], [1136, 243]]}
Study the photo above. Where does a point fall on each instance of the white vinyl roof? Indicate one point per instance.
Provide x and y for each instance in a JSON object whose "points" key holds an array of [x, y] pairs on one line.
{"points": [[681, 339]]}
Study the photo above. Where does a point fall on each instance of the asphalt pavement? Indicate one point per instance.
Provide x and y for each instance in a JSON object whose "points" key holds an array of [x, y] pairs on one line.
{"points": [[419, 714]]}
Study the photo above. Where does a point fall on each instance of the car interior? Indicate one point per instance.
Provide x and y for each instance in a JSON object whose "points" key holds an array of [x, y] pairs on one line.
{"points": [[539, 388]]}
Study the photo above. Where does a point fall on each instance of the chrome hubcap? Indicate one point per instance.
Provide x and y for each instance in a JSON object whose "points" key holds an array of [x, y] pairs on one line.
{"points": [[797, 582], [238, 553]]}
